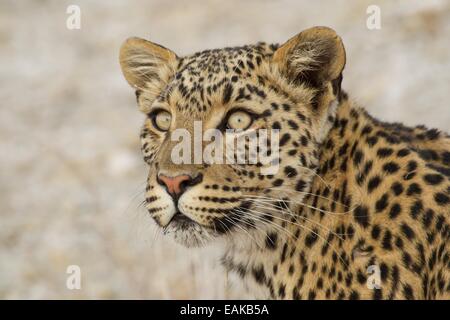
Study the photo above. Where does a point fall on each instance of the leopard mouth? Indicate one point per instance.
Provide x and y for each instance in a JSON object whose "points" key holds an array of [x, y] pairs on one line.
{"points": [[182, 221], [187, 232]]}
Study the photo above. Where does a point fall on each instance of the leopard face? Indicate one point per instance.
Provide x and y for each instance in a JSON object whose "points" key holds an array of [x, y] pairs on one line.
{"points": [[291, 90]]}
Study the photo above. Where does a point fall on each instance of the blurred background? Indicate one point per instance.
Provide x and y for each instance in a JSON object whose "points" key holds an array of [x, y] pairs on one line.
{"points": [[71, 174]]}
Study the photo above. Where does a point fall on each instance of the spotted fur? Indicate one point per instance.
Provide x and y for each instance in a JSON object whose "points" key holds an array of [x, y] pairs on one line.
{"points": [[352, 191]]}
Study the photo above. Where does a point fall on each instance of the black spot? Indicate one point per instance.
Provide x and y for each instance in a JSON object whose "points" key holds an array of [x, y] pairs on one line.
{"points": [[382, 203], [286, 107], [373, 183], [361, 277], [384, 152], [410, 170], [408, 292], [432, 134], [227, 92], [399, 242], [265, 114], [377, 294], [433, 179], [403, 152], [311, 238], [320, 283], [349, 279], [290, 172], [427, 218], [284, 139], [386, 242], [304, 141], [259, 274], [376, 231], [395, 280], [283, 253], [295, 294], [416, 209], [361, 216], [277, 182], [440, 222], [395, 211], [413, 189], [407, 231], [293, 124], [301, 116], [384, 270], [303, 160], [275, 269], [300, 185], [276, 125], [371, 141], [390, 167], [366, 130], [428, 155], [271, 241], [397, 188], [343, 149], [357, 158], [367, 167], [291, 269], [446, 158], [441, 198], [282, 290]]}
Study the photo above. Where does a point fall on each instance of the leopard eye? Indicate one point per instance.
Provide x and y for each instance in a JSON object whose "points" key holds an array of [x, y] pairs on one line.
{"points": [[162, 120], [240, 120]]}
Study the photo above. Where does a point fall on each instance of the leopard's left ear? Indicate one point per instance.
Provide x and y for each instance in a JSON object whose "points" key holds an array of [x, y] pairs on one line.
{"points": [[146, 65], [314, 56]]}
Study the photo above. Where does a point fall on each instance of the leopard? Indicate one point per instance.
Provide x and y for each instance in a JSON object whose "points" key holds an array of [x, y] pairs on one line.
{"points": [[358, 208]]}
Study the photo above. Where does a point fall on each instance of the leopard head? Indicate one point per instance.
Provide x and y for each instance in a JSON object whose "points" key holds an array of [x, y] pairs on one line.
{"points": [[285, 94]]}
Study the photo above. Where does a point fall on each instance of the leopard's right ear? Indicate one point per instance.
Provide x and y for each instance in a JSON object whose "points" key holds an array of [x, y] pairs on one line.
{"points": [[315, 56], [147, 66]]}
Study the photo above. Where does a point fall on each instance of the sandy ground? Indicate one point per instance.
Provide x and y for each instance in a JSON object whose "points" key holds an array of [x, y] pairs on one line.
{"points": [[72, 178]]}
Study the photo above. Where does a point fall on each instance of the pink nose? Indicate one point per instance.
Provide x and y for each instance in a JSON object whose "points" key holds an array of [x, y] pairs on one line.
{"points": [[175, 185]]}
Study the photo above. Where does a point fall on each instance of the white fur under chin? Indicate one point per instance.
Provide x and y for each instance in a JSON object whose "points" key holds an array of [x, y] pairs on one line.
{"points": [[191, 237], [249, 250]]}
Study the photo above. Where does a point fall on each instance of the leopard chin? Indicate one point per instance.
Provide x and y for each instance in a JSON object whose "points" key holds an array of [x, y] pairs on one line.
{"points": [[189, 233]]}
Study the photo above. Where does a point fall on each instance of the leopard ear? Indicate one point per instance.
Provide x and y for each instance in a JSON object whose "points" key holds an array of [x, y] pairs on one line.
{"points": [[314, 56], [146, 65]]}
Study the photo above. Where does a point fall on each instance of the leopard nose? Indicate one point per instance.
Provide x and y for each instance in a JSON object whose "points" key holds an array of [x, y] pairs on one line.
{"points": [[178, 184]]}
